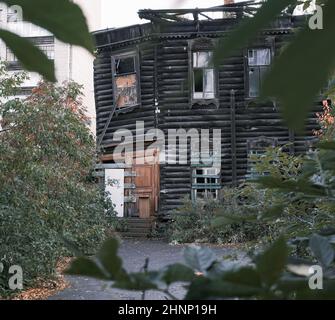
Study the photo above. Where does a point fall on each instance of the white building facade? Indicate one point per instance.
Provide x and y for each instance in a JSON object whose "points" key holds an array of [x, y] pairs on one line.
{"points": [[71, 62]]}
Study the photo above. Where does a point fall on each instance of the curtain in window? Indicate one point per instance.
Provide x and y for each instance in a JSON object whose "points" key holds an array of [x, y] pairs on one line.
{"points": [[259, 57], [202, 59]]}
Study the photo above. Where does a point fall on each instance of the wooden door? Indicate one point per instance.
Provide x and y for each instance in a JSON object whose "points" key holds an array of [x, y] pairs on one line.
{"points": [[147, 189]]}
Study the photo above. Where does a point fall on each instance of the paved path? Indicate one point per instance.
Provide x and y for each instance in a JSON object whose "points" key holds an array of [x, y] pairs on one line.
{"points": [[133, 253]]}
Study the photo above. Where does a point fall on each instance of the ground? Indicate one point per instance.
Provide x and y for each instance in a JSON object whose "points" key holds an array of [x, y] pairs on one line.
{"points": [[133, 253]]}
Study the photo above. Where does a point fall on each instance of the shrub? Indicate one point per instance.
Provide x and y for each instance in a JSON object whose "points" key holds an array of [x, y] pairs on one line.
{"points": [[48, 198], [246, 213], [201, 222]]}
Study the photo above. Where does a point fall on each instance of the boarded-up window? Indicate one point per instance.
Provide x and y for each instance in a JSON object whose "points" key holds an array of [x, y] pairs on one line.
{"points": [[125, 80], [259, 61], [203, 75]]}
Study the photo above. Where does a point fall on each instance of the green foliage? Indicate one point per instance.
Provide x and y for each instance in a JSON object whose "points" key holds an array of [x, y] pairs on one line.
{"points": [[314, 186], [213, 221], [62, 18], [248, 212], [48, 199], [31, 57], [304, 66], [268, 277]]}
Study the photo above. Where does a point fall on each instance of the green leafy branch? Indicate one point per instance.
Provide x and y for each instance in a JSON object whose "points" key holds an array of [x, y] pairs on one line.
{"points": [[304, 66], [63, 18], [272, 275]]}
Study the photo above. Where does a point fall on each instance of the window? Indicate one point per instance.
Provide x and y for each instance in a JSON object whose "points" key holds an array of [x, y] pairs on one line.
{"points": [[259, 61], [125, 80], [10, 57], [46, 44], [256, 149], [205, 183], [48, 49], [203, 75]]}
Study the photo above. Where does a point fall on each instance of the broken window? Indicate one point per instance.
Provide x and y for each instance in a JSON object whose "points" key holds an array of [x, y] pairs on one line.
{"points": [[203, 75], [205, 183], [125, 80], [259, 61]]}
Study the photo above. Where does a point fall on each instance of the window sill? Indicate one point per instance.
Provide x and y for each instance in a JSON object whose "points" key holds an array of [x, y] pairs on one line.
{"points": [[205, 102], [126, 109], [249, 101], [12, 66]]}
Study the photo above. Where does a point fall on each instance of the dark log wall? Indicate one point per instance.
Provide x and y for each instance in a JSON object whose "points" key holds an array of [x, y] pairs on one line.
{"points": [[164, 76], [104, 94]]}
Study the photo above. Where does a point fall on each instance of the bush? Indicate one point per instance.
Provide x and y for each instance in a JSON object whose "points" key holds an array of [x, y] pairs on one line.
{"points": [[48, 198], [246, 213], [215, 221]]}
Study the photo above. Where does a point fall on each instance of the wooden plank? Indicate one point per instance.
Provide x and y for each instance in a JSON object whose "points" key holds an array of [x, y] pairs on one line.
{"points": [[129, 174], [130, 199], [129, 186], [112, 166]]}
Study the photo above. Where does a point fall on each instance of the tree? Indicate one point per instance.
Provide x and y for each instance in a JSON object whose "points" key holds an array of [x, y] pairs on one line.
{"points": [[48, 198]]}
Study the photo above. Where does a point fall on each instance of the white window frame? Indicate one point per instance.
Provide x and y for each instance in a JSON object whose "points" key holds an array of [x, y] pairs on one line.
{"points": [[207, 185], [260, 67], [208, 74]]}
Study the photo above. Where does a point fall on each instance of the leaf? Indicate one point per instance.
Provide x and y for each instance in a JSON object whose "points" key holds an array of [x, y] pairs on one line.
{"points": [[247, 276], [303, 69], [273, 212], [137, 282], [32, 58], [86, 267], [272, 262], [177, 273], [300, 186], [105, 265], [62, 18], [249, 29], [327, 145], [322, 250], [328, 292], [200, 259], [291, 284], [204, 288], [109, 259]]}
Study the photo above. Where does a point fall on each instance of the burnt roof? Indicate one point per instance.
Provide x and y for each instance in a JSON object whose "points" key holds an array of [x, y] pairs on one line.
{"points": [[187, 23]]}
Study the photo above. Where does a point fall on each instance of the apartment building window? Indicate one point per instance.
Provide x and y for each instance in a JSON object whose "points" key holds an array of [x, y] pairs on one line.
{"points": [[206, 183], [125, 79], [203, 75], [10, 56], [48, 49], [46, 44], [259, 60]]}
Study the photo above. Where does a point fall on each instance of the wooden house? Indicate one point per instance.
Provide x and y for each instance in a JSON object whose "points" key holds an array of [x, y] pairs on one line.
{"points": [[159, 73]]}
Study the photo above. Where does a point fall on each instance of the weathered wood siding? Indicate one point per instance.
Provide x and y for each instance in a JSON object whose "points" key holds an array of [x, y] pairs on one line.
{"points": [[164, 76]]}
